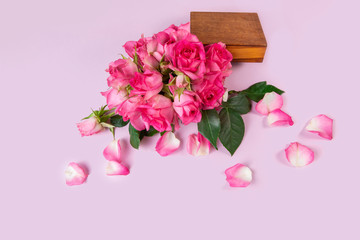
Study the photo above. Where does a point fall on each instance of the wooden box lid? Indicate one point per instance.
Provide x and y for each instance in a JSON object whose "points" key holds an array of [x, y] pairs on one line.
{"points": [[241, 32]]}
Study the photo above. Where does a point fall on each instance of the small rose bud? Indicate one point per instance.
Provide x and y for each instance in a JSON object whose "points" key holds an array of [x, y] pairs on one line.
{"points": [[89, 126]]}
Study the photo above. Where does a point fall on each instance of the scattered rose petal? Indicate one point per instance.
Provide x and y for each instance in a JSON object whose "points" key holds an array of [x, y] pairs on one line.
{"points": [[89, 127], [116, 168], [322, 125], [238, 175], [167, 144], [74, 174], [198, 145], [271, 101], [279, 118], [299, 155], [113, 151]]}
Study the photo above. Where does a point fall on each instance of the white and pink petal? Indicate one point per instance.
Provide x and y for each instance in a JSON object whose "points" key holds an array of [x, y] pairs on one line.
{"points": [[271, 101], [279, 118], [238, 175], [113, 151], [75, 175], [116, 168], [299, 155], [198, 145], [167, 144], [322, 125]]}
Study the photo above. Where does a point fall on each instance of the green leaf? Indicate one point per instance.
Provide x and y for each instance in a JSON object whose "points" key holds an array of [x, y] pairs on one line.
{"points": [[209, 126], [107, 114], [118, 121], [106, 125], [102, 109], [257, 91], [152, 131], [232, 129], [239, 103], [91, 115], [134, 137]]}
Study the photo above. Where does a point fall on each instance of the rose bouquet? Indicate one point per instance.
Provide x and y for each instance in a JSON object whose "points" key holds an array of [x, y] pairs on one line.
{"points": [[171, 79]]}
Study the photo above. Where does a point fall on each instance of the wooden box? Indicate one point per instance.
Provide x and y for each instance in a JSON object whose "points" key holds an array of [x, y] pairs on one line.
{"points": [[241, 32]]}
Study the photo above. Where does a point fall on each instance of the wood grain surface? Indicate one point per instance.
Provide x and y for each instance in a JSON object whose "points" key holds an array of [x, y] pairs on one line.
{"points": [[241, 32]]}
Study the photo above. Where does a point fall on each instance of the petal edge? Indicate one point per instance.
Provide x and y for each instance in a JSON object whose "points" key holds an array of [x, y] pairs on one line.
{"points": [[238, 175], [299, 155], [74, 174], [322, 125]]}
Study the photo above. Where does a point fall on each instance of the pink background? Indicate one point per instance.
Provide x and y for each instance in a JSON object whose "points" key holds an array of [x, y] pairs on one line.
{"points": [[52, 59]]}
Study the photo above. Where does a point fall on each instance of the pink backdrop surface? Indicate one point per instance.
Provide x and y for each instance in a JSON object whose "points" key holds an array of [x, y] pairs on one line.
{"points": [[52, 60]]}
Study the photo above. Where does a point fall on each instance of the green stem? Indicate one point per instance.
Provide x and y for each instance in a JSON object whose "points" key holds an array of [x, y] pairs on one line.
{"points": [[112, 130]]}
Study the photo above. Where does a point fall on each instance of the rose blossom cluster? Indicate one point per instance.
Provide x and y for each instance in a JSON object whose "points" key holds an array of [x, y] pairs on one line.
{"points": [[169, 77]]}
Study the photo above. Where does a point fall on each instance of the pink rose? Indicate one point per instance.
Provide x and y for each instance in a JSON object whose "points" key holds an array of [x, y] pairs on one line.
{"points": [[177, 83], [179, 33], [150, 63], [121, 71], [128, 109], [210, 90], [187, 57], [148, 84], [115, 97], [155, 47], [187, 107], [89, 126], [131, 110], [140, 46], [173, 28], [181, 82], [185, 26], [158, 112], [145, 59], [218, 59]]}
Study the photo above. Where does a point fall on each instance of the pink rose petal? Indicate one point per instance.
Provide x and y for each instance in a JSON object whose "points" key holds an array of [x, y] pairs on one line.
{"points": [[322, 125], [167, 144], [115, 97], [115, 168], [238, 175], [271, 101], [113, 151], [279, 118], [74, 174], [299, 155], [198, 145]]}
